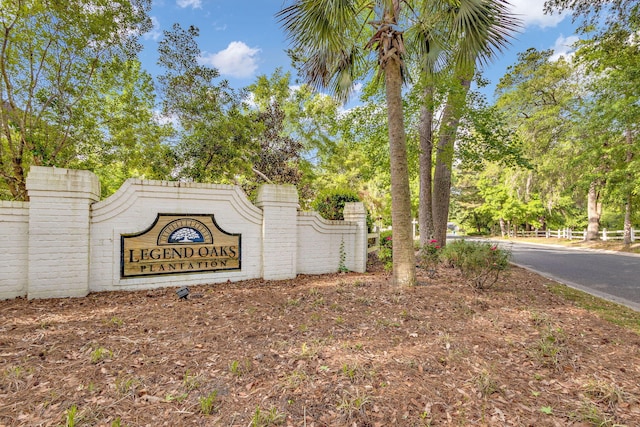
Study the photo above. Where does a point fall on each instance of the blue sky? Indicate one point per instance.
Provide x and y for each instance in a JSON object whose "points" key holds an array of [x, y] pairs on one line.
{"points": [[242, 39]]}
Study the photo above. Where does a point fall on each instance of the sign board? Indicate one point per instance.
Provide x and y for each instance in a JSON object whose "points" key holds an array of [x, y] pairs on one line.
{"points": [[178, 244]]}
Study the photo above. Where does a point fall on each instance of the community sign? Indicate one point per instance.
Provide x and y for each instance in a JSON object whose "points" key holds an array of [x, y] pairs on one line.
{"points": [[178, 244]]}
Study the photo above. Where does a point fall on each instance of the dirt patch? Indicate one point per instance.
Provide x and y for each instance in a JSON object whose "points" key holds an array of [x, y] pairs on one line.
{"points": [[331, 350]]}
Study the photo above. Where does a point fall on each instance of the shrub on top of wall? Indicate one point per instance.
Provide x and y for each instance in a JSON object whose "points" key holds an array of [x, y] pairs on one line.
{"points": [[330, 203]]}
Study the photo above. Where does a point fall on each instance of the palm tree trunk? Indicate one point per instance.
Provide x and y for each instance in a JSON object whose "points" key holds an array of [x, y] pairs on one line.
{"points": [[404, 266], [425, 218], [444, 159]]}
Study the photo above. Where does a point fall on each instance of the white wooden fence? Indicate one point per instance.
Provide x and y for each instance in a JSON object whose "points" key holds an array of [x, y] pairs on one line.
{"points": [[567, 233], [373, 244]]}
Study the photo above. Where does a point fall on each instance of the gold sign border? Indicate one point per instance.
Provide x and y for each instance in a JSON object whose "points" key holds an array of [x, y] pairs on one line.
{"points": [[178, 216]]}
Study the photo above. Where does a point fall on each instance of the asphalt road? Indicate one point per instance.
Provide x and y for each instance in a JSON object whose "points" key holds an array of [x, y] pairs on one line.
{"points": [[615, 277]]}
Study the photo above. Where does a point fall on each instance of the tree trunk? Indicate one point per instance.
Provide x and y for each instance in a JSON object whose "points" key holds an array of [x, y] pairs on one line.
{"points": [[404, 265], [503, 228], [627, 206], [425, 218], [594, 209], [444, 159], [627, 221]]}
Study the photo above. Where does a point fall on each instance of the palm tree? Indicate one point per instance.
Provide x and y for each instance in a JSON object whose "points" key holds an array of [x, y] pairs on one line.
{"points": [[456, 41], [337, 37]]}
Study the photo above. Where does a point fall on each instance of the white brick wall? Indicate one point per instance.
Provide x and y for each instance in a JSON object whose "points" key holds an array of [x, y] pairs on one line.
{"points": [[279, 204], [62, 243], [59, 209], [319, 243], [134, 207], [14, 248]]}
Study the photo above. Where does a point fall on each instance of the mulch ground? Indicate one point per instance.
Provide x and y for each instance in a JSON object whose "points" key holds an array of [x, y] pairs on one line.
{"points": [[331, 350]]}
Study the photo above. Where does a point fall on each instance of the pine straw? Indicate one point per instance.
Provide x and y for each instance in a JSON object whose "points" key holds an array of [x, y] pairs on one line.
{"points": [[332, 350]]}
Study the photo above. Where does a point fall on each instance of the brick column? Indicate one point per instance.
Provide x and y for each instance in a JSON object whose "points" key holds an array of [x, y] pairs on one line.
{"points": [[355, 212], [59, 223], [279, 204]]}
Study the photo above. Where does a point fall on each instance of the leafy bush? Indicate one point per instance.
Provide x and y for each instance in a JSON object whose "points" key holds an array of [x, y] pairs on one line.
{"points": [[429, 256], [330, 203], [480, 262], [385, 253]]}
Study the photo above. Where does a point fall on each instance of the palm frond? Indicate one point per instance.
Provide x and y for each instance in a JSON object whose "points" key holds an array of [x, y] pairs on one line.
{"points": [[328, 34], [483, 28]]}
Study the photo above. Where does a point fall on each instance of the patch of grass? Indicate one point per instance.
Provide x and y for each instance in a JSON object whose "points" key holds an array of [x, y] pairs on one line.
{"points": [[550, 348], [44, 324], [264, 419], [127, 385], [592, 415], [307, 351], [352, 405], [239, 368], [99, 354], [604, 393], [486, 384], [295, 302], [207, 403], [386, 323], [610, 311], [115, 321], [178, 398], [14, 373], [295, 379], [446, 340], [547, 410], [539, 319], [350, 372], [364, 300], [191, 381], [70, 416], [336, 307]]}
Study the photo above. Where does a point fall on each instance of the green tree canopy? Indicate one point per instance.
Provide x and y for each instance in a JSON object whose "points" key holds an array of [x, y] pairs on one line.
{"points": [[52, 54]]}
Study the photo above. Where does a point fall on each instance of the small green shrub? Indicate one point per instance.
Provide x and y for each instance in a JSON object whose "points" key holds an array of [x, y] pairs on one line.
{"points": [[385, 253], [429, 256], [480, 262], [330, 203]]}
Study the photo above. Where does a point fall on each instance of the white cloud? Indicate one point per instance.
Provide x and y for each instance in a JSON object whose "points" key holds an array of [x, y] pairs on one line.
{"points": [[531, 12], [564, 47], [237, 60], [154, 33], [194, 4]]}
